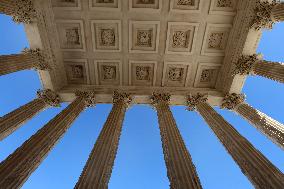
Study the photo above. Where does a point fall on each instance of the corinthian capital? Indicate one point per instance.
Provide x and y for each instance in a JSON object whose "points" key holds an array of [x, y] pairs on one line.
{"points": [[194, 100], [49, 97], [89, 97], [160, 97], [244, 65], [231, 101], [263, 15], [40, 56], [122, 97], [23, 11]]}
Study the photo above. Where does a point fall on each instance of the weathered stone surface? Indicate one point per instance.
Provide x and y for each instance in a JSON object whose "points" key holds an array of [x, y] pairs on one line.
{"points": [[180, 168]]}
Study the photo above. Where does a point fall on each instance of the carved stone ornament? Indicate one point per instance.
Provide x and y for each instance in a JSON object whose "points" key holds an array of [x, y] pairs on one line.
{"points": [[144, 38], [145, 1], [89, 97], [224, 3], [109, 72], [49, 97], [72, 36], [108, 37], [244, 65], [143, 73], [231, 101], [38, 54], [263, 15], [206, 75], [120, 96], [186, 2], [194, 100], [23, 11], [215, 40], [180, 39], [176, 74], [160, 97]]}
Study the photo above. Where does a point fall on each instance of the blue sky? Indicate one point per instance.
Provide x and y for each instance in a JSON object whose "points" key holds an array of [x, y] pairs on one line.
{"points": [[139, 163]]}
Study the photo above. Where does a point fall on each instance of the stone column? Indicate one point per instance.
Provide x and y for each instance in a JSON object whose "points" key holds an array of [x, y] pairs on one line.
{"points": [[259, 170], [266, 14], [97, 171], [20, 10], [265, 124], [254, 65], [16, 169], [13, 120], [180, 168], [278, 12], [29, 59]]}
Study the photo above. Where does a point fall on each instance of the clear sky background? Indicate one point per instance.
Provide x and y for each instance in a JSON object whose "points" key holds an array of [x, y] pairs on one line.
{"points": [[139, 163]]}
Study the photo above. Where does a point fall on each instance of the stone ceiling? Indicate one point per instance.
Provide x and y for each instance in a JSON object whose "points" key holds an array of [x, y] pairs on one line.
{"points": [[176, 45]]}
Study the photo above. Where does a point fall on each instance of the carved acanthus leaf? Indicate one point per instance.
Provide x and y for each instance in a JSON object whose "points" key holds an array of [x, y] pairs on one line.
{"points": [[194, 100], [89, 97], [244, 65], [41, 58], [231, 101], [160, 97], [49, 97], [263, 15], [122, 97], [24, 11]]}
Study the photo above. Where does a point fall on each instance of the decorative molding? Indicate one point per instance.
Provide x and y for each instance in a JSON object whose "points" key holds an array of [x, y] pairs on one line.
{"points": [[194, 100], [122, 97], [23, 11], [144, 36], [232, 101], [186, 6], [40, 56], [244, 65], [157, 98], [89, 97], [263, 15], [49, 97], [142, 73], [106, 35], [181, 37], [71, 35], [215, 41]]}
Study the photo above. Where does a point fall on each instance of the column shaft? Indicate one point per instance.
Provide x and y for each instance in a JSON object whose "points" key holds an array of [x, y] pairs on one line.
{"points": [[278, 12], [16, 62], [13, 120], [259, 170], [16, 169], [268, 126], [97, 171], [181, 171], [271, 70]]}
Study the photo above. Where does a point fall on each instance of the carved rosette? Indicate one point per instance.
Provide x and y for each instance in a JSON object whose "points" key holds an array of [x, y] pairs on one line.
{"points": [[244, 66], [49, 97], [231, 101], [160, 97], [122, 97], [194, 100], [39, 55], [89, 97], [24, 11], [263, 15]]}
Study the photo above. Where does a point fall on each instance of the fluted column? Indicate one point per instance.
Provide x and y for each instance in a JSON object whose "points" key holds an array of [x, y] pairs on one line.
{"points": [[266, 14], [265, 124], [20, 10], [28, 59], [97, 171], [13, 120], [16, 169], [278, 12], [259, 170], [180, 168], [254, 65]]}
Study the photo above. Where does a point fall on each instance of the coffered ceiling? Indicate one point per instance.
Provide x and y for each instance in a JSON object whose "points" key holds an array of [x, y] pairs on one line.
{"points": [[178, 45]]}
